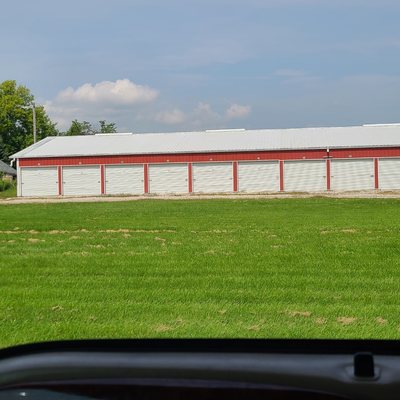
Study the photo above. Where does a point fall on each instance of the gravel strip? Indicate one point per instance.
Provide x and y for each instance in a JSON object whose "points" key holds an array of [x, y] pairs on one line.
{"points": [[93, 199]]}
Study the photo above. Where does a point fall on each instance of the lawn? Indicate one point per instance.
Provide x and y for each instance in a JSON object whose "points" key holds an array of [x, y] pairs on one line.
{"points": [[294, 268], [12, 192]]}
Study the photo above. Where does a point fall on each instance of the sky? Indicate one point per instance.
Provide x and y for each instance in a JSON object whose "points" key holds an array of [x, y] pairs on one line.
{"points": [[183, 65]]}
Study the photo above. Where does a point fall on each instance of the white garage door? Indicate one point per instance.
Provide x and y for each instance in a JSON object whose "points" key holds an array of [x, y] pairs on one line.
{"points": [[352, 175], [41, 181], [304, 176], [212, 177], [389, 173], [258, 176], [168, 178], [124, 179], [81, 181]]}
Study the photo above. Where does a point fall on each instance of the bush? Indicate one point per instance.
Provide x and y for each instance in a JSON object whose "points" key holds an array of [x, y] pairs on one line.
{"points": [[5, 185]]}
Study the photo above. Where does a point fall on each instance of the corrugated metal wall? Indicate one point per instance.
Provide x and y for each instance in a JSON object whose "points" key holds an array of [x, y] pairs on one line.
{"points": [[79, 181], [38, 181], [168, 178], [305, 176], [214, 177], [239, 156], [389, 173], [124, 179], [349, 175], [262, 176]]}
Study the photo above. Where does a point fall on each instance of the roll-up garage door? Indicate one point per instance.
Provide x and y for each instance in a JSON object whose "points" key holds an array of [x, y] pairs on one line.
{"points": [[305, 176], [212, 177], [352, 174], [41, 181], [81, 181], [389, 173], [124, 179], [168, 178], [261, 176]]}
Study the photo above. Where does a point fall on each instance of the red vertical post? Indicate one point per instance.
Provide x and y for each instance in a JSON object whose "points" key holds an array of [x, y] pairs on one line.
{"points": [[102, 180], [60, 178], [376, 172], [281, 184], [190, 178], [328, 174], [146, 177], [235, 176]]}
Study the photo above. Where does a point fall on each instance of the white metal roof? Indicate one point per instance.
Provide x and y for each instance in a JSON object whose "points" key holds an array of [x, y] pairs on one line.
{"points": [[215, 141]]}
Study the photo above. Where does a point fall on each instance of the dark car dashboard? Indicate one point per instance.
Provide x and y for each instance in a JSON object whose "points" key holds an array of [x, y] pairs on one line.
{"points": [[201, 369]]}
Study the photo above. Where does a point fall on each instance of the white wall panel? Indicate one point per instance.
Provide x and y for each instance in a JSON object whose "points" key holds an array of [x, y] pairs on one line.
{"points": [[168, 178], [212, 177], [260, 176], [305, 176], [81, 181], [356, 174], [124, 179], [389, 173], [41, 181]]}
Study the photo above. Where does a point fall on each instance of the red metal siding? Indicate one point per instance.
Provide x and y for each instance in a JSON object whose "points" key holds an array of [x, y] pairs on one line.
{"points": [[146, 177], [102, 179], [203, 157], [163, 158], [235, 176], [376, 173], [190, 178], [328, 174], [366, 153], [60, 178]]}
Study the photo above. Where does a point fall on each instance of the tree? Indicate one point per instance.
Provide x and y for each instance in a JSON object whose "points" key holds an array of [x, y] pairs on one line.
{"points": [[86, 128], [107, 127], [16, 125], [80, 128]]}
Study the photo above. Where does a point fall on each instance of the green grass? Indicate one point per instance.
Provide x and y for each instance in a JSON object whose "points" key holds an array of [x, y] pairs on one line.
{"points": [[296, 268], [12, 192]]}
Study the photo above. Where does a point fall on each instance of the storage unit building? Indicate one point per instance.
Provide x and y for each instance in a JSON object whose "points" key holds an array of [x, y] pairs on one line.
{"points": [[220, 161]]}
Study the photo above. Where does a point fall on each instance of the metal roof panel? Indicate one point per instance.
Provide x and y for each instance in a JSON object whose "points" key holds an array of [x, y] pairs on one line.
{"points": [[215, 141]]}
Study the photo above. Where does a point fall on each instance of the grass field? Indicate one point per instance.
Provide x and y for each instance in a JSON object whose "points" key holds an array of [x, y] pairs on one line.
{"points": [[296, 268]]}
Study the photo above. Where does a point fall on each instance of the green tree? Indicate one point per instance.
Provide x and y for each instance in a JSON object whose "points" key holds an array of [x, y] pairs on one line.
{"points": [[80, 128], [16, 125], [107, 127], [86, 128]]}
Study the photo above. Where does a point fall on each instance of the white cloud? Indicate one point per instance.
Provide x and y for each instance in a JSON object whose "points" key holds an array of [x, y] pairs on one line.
{"points": [[104, 100], [237, 111], [120, 92], [129, 104], [203, 116], [172, 117]]}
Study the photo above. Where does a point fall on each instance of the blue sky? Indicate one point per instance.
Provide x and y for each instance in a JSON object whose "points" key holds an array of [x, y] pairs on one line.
{"points": [[185, 65]]}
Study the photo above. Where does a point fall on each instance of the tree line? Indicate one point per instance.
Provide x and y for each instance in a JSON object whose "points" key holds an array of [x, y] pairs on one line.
{"points": [[16, 121]]}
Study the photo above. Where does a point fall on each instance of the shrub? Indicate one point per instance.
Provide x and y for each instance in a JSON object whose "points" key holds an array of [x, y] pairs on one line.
{"points": [[5, 184]]}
